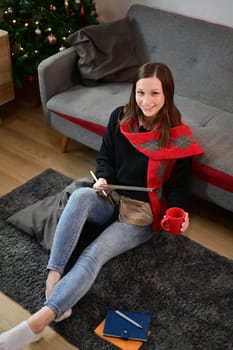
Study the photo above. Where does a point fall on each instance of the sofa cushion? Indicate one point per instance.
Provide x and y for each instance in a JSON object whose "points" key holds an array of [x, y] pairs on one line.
{"points": [[211, 127], [40, 218], [105, 52], [74, 101]]}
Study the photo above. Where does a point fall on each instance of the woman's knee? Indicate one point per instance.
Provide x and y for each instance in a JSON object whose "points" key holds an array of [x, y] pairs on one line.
{"points": [[96, 208], [82, 195]]}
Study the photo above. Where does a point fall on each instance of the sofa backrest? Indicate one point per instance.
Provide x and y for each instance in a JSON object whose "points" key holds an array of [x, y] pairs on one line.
{"points": [[199, 53]]}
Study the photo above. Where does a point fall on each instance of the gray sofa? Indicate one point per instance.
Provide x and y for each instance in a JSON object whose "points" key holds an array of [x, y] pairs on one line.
{"points": [[200, 55]]}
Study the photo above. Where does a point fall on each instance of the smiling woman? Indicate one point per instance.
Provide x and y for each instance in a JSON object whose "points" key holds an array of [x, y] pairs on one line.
{"points": [[159, 158], [209, 225]]}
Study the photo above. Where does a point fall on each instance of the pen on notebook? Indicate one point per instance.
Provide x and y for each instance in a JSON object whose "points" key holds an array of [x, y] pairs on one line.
{"points": [[128, 319], [95, 178]]}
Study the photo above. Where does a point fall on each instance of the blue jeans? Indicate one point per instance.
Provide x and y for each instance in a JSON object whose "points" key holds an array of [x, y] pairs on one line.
{"points": [[86, 205]]}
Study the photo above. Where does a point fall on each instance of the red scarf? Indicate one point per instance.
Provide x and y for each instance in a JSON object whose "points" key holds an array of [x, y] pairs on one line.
{"points": [[161, 160]]}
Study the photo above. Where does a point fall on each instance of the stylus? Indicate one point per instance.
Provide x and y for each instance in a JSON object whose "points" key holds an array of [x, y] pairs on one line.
{"points": [[95, 178]]}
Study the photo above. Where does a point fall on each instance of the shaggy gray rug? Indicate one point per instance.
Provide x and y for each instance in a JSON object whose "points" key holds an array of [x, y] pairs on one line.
{"points": [[188, 289]]}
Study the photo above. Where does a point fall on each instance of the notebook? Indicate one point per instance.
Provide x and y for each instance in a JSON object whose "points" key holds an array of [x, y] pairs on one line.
{"points": [[127, 324], [118, 342]]}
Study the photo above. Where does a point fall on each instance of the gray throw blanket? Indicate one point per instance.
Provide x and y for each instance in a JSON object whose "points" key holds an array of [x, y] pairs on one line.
{"points": [[106, 52]]}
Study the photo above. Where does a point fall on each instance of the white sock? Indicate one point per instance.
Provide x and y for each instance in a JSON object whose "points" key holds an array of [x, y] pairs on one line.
{"points": [[18, 337]]}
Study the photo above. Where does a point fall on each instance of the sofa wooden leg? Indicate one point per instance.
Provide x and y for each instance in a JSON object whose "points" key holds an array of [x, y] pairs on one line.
{"points": [[64, 143]]}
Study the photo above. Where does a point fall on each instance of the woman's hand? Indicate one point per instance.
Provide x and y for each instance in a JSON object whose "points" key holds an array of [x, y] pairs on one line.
{"points": [[185, 224], [100, 182]]}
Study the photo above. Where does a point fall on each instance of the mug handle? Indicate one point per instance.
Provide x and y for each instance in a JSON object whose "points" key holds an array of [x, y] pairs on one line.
{"points": [[165, 223]]}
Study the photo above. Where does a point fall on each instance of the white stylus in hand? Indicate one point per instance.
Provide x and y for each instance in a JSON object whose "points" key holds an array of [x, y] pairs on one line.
{"points": [[95, 178]]}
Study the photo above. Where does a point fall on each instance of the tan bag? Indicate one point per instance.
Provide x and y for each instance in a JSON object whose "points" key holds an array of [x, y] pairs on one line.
{"points": [[132, 211]]}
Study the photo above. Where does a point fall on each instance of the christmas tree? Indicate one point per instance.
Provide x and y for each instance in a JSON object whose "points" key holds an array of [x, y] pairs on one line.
{"points": [[39, 28]]}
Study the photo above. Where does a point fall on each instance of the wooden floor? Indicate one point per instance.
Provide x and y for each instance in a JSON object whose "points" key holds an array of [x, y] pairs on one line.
{"points": [[28, 146], [12, 314]]}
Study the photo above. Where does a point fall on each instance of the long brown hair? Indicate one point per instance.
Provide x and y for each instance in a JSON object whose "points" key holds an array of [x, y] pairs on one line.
{"points": [[169, 115]]}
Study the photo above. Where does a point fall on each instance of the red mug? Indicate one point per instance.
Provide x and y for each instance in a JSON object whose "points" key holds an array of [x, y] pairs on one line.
{"points": [[173, 220]]}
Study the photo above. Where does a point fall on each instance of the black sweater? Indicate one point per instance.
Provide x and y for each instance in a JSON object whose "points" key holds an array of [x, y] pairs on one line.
{"points": [[120, 163]]}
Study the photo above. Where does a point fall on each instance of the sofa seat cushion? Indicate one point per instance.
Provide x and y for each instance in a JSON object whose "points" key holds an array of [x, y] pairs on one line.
{"points": [[212, 128], [214, 167], [72, 103]]}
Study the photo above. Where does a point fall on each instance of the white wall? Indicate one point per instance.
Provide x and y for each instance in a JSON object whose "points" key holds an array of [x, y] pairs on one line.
{"points": [[217, 11]]}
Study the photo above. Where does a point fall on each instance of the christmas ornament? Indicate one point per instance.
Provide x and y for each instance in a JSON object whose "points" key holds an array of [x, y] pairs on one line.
{"points": [[30, 78], [82, 11], [82, 16], [52, 8], [17, 47], [38, 31], [52, 39]]}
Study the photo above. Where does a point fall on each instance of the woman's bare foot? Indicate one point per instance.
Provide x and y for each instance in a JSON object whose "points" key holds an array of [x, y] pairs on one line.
{"points": [[52, 279]]}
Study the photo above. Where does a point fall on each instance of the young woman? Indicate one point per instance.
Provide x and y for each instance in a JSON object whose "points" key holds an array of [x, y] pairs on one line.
{"points": [[145, 145]]}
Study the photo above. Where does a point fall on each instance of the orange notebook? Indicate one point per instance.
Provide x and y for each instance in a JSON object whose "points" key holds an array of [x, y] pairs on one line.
{"points": [[118, 342]]}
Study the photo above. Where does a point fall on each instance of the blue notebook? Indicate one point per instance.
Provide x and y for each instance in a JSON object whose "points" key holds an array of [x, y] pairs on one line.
{"points": [[127, 324]]}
